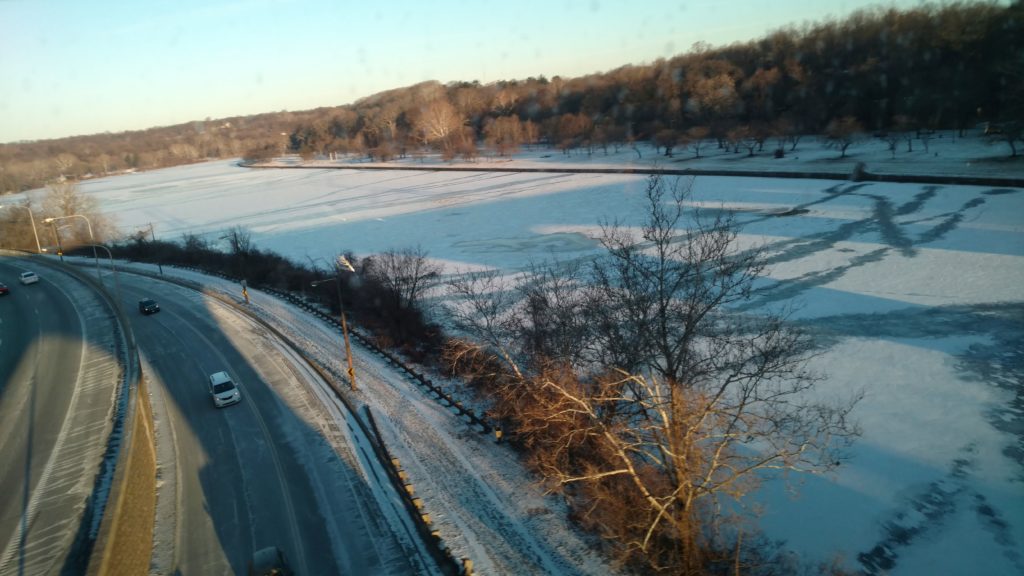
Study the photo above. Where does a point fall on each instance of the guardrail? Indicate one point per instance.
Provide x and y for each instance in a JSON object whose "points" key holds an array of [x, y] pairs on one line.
{"points": [[398, 478], [98, 534], [480, 422], [436, 392], [414, 505]]}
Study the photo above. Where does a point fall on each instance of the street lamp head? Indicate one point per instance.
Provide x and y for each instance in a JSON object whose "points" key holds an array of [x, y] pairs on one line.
{"points": [[48, 220], [344, 263]]}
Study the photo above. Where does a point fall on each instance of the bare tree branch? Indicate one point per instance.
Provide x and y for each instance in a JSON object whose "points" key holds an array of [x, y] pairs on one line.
{"points": [[664, 401]]}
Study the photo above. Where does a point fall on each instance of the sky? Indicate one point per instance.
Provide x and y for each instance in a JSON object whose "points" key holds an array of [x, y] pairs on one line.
{"points": [[70, 68]]}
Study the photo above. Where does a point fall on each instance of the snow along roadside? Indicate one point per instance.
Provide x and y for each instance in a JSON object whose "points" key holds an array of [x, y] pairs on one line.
{"points": [[487, 507]]}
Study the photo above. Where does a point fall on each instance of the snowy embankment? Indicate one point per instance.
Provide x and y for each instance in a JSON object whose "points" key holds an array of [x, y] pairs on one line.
{"points": [[485, 506], [915, 292]]}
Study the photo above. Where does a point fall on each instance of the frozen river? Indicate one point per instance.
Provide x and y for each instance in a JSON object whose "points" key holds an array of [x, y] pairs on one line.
{"points": [[916, 291]]}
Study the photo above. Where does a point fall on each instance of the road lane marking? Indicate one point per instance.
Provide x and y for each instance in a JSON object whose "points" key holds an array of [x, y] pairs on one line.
{"points": [[269, 439], [18, 543]]}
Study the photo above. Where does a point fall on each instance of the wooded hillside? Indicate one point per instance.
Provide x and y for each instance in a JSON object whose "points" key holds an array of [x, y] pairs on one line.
{"points": [[879, 70]]}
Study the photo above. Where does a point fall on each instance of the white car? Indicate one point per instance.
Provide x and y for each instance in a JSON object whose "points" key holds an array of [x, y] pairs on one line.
{"points": [[29, 278], [223, 390]]}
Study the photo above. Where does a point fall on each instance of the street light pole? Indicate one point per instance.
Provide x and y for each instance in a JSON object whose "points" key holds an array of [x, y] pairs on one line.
{"points": [[341, 307], [344, 334], [56, 235], [344, 324], [153, 235], [117, 282], [31, 219], [91, 237]]}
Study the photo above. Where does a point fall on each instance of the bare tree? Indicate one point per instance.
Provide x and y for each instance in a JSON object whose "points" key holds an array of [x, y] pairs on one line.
{"points": [[503, 102], [903, 128], [925, 136], [696, 136], [407, 272], [570, 131], [1010, 132], [789, 131], [63, 162], [742, 137], [679, 404], [843, 132], [531, 132], [239, 240], [17, 229], [667, 139], [504, 134], [437, 122], [63, 199], [714, 93], [552, 313]]}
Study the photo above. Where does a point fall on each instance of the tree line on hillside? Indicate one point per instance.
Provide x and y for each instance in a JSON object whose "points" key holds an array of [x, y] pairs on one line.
{"points": [[881, 71]]}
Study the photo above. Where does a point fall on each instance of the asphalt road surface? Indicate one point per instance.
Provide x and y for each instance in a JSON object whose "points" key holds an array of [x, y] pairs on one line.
{"points": [[254, 474], [59, 376]]}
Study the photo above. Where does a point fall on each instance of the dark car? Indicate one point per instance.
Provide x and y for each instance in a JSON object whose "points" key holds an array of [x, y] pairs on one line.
{"points": [[4, 289], [148, 306], [269, 562]]}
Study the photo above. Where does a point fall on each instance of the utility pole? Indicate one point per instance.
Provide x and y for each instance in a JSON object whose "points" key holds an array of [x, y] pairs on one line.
{"points": [[153, 235], [60, 249], [338, 266]]}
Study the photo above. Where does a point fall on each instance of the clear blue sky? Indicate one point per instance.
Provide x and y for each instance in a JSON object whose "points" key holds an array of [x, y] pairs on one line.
{"points": [[80, 67]]}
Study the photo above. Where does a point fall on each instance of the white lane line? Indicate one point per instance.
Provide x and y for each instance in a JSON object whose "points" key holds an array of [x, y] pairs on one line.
{"points": [[286, 494], [19, 538]]}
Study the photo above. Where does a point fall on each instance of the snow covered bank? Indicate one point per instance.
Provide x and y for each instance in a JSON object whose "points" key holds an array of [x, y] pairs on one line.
{"points": [[915, 291]]}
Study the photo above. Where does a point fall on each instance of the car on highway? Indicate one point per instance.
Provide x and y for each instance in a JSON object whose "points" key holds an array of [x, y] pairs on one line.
{"points": [[28, 278], [4, 289], [269, 562], [223, 390], [148, 306]]}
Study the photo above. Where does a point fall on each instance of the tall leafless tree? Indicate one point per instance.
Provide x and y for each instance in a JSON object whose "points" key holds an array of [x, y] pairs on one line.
{"points": [[438, 122], [239, 240], [408, 272], [674, 403], [842, 133], [16, 225], [65, 198], [504, 134]]}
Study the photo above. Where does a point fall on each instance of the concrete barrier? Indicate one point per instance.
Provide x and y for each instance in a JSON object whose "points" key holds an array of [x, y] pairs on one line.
{"points": [[123, 503], [414, 504], [127, 538]]}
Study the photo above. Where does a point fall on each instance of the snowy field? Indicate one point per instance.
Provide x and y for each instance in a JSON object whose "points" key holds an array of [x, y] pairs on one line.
{"points": [[917, 292]]}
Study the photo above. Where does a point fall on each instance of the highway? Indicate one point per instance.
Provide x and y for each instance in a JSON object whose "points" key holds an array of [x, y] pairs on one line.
{"points": [[255, 474], [59, 374]]}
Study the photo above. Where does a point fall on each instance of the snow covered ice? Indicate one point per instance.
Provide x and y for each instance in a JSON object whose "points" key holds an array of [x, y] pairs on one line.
{"points": [[916, 292]]}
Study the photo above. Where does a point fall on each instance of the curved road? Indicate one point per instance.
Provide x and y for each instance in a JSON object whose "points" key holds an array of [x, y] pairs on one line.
{"points": [[250, 475], [58, 378]]}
